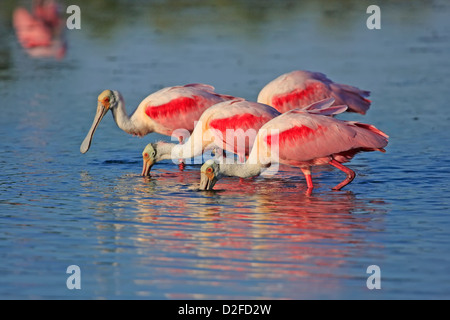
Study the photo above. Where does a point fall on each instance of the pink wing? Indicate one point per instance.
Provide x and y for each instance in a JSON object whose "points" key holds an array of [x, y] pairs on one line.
{"points": [[298, 89], [30, 31], [308, 139], [210, 89], [200, 86], [323, 107], [180, 106], [40, 34], [344, 94], [236, 123], [48, 12]]}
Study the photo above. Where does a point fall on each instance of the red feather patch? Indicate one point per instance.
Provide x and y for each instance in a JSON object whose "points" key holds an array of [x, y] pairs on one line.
{"points": [[244, 122], [293, 134], [301, 97], [175, 107]]}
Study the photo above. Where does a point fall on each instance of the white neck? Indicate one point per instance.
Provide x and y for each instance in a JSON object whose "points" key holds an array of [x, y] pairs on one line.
{"points": [[164, 150], [175, 151], [129, 124], [260, 157], [245, 170]]}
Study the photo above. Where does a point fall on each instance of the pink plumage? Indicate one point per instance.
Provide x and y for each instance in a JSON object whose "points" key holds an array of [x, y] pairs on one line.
{"points": [[299, 89], [230, 126], [163, 112], [180, 107], [40, 33], [306, 138], [243, 118]]}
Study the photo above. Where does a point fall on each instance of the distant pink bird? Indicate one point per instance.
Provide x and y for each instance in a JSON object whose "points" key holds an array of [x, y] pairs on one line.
{"points": [[299, 89], [48, 12], [162, 112], [231, 126], [40, 33], [303, 138]]}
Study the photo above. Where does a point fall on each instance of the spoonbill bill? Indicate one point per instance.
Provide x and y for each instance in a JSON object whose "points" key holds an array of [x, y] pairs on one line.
{"points": [[230, 125], [299, 89], [162, 112], [303, 139]]}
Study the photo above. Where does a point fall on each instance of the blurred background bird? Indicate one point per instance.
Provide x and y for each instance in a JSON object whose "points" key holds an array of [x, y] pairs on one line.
{"points": [[40, 32]]}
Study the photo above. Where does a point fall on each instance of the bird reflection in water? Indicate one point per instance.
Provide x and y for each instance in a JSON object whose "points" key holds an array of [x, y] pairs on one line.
{"points": [[260, 229], [40, 32]]}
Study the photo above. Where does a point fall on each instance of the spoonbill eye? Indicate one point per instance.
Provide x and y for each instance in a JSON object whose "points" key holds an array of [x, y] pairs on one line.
{"points": [[145, 155], [209, 170]]}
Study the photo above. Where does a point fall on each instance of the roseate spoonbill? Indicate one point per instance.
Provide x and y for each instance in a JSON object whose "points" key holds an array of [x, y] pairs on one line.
{"points": [[48, 12], [299, 89], [40, 33], [243, 119], [162, 112], [303, 139]]}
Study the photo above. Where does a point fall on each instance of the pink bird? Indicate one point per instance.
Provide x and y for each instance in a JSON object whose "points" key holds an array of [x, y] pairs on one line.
{"points": [[40, 33], [230, 125], [162, 112], [48, 12], [303, 138], [299, 89]]}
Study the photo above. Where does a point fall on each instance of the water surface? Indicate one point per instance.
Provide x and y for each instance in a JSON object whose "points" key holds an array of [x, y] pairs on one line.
{"points": [[262, 238]]}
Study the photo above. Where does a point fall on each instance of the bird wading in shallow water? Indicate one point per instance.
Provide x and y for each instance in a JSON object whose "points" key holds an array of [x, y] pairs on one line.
{"points": [[299, 89], [303, 138], [230, 125], [162, 112]]}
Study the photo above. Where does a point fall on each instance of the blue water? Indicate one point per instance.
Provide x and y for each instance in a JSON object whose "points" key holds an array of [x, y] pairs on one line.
{"points": [[261, 238]]}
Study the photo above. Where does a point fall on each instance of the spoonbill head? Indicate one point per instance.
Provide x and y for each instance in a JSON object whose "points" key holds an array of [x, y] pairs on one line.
{"points": [[210, 174], [107, 100], [149, 157]]}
